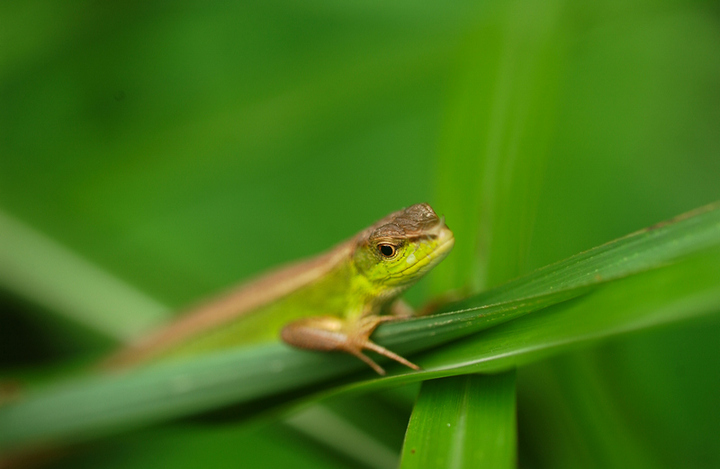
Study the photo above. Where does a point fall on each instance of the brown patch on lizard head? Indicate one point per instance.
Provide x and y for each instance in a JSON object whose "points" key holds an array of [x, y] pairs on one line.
{"points": [[416, 221]]}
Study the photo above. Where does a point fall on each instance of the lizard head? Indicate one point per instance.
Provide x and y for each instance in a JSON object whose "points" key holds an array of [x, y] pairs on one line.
{"points": [[399, 249]]}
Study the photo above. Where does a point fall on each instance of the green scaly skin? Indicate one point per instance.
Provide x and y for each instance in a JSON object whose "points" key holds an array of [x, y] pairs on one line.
{"points": [[335, 310]]}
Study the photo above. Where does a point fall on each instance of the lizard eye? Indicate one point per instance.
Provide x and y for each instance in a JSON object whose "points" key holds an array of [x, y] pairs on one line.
{"points": [[388, 251]]}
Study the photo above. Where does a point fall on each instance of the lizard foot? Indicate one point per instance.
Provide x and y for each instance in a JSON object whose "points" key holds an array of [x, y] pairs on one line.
{"points": [[329, 333]]}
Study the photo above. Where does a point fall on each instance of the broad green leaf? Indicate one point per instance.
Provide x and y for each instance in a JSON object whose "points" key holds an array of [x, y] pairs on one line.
{"points": [[678, 278], [463, 422]]}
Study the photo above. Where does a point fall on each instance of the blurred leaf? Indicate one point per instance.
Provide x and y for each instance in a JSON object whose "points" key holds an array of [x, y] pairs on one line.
{"points": [[637, 139], [684, 288], [40, 270], [495, 141], [496, 138], [466, 421], [343, 435], [647, 399], [197, 447], [587, 395]]}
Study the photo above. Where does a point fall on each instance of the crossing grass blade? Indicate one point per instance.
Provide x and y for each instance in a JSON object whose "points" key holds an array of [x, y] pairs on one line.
{"points": [[463, 421]]}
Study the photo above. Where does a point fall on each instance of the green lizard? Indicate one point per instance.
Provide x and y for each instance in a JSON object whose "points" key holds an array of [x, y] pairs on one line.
{"points": [[331, 302]]}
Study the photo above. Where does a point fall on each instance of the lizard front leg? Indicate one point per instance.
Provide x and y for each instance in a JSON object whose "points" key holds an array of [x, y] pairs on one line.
{"points": [[330, 333]]}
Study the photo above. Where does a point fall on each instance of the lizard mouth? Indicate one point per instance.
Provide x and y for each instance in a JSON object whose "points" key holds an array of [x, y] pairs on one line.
{"points": [[445, 242], [425, 259]]}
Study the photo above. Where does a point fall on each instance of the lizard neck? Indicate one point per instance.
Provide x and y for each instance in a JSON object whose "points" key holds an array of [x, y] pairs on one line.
{"points": [[366, 298]]}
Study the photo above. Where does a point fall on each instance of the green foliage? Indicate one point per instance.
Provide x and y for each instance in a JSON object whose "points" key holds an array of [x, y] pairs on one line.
{"points": [[154, 154]]}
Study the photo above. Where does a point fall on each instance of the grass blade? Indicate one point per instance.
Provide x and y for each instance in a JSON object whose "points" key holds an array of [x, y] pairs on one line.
{"points": [[465, 421], [38, 268]]}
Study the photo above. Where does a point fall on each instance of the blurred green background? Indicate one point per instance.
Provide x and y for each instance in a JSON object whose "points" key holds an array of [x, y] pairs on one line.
{"points": [[180, 147]]}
